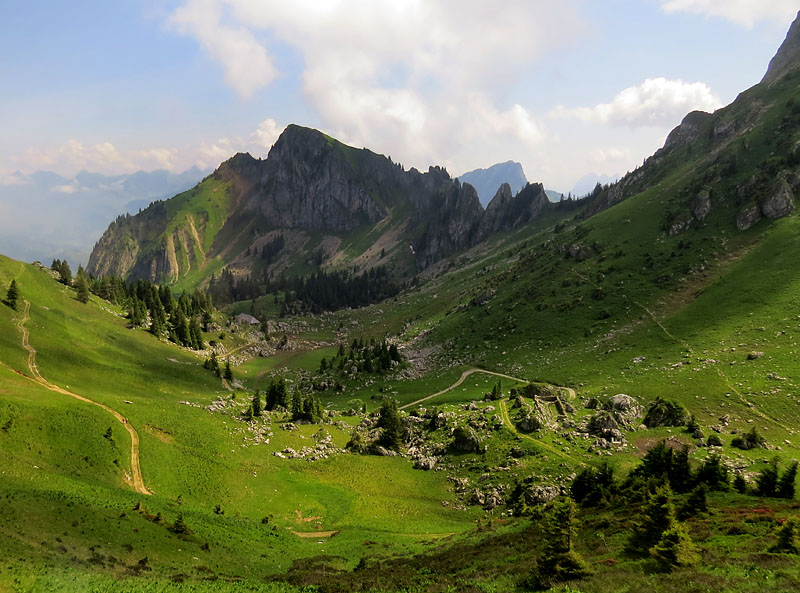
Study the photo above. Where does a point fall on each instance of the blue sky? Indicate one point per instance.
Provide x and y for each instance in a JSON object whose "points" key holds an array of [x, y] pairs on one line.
{"points": [[564, 87]]}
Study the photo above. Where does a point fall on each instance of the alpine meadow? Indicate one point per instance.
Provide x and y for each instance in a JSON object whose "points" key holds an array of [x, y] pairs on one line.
{"points": [[319, 370]]}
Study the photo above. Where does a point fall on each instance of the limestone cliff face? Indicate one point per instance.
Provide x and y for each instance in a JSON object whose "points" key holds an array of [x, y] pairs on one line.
{"points": [[506, 212], [788, 57], [312, 184]]}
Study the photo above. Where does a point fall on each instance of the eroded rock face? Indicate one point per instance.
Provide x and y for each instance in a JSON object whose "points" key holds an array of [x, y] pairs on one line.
{"points": [[788, 56], [689, 130], [780, 203], [601, 422], [748, 216], [702, 205]]}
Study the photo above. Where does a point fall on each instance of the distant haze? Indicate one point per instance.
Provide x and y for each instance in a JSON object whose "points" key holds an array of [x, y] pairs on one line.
{"points": [[587, 183], [44, 215], [487, 181]]}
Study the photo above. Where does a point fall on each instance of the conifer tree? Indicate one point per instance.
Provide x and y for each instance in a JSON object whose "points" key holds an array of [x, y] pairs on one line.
{"points": [[696, 503], [82, 286], [559, 562], [674, 548], [297, 406], [195, 334], [787, 541], [257, 404], [767, 480], [180, 525], [12, 295], [228, 372], [180, 327], [739, 483], [785, 487], [389, 420], [658, 517]]}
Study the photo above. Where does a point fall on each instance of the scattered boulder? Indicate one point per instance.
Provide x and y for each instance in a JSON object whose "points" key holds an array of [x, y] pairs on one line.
{"points": [[755, 355], [383, 451], [780, 203], [493, 499], [466, 441], [748, 216], [528, 422], [663, 412], [425, 463], [602, 421]]}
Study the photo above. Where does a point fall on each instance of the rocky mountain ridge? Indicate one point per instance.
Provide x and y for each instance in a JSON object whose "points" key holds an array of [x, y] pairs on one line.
{"points": [[343, 206]]}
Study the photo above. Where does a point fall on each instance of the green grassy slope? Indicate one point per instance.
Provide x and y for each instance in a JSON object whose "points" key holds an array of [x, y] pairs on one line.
{"points": [[67, 505]]}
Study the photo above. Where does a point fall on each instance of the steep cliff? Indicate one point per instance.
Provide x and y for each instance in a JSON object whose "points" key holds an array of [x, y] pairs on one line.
{"points": [[331, 204]]}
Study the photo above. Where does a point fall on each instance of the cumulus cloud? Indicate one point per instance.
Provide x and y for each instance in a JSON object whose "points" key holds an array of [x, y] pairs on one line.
{"points": [[423, 77], [743, 12], [248, 67], [655, 102]]}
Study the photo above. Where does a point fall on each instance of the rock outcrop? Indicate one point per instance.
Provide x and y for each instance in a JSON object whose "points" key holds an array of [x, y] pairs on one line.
{"points": [[788, 57], [308, 184]]}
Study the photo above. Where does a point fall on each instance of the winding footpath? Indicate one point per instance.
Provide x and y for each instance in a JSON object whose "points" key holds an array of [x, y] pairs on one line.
{"points": [[503, 408], [467, 373], [138, 481]]}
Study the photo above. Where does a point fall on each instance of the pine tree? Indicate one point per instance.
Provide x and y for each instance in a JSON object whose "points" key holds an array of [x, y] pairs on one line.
{"points": [[739, 483], [64, 273], [391, 423], [785, 487], [82, 286], [787, 542], [680, 472], [257, 404], [181, 328], [559, 562], [713, 473], [696, 503], [658, 517], [297, 406], [195, 334], [180, 525], [675, 548], [228, 372], [767, 480], [12, 295]]}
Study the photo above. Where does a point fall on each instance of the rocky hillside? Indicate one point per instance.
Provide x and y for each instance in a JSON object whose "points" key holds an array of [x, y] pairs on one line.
{"points": [[741, 160], [325, 203]]}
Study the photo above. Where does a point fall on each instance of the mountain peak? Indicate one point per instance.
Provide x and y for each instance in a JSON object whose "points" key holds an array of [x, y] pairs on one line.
{"points": [[487, 181], [788, 56]]}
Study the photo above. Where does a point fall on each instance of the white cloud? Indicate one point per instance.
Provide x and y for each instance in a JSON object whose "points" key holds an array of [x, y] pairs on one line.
{"points": [[267, 133], [104, 157], [743, 12], [15, 178], [421, 79], [248, 67], [610, 155], [73, 156], [655, 102], [69, 188]]}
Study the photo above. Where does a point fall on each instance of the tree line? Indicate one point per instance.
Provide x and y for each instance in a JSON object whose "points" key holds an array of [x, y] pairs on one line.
{"points": [[182, 320], [321, 291]]}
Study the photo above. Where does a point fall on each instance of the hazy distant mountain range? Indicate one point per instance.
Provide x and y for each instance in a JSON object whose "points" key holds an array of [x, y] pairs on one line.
{"points": [[487, 181], [67, 215], [587, 183]]}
